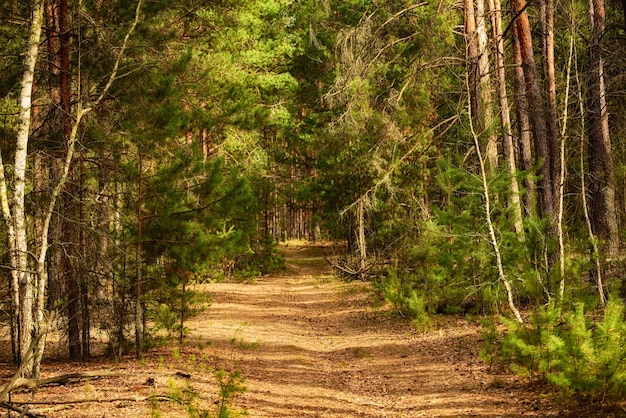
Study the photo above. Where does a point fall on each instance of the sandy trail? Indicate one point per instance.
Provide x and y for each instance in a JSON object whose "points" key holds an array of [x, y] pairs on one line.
{"points": [[324, 351], [308, 345]]}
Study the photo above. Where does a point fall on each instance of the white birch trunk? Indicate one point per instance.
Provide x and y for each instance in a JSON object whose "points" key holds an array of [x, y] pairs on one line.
{"points": [[19, 258]]}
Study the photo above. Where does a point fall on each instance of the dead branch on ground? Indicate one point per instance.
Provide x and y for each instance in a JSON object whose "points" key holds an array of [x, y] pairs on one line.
{"points": [[22, 411], [31, 384]]}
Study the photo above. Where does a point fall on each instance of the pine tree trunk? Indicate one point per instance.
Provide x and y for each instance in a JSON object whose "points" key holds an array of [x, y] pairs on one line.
{"points": [[523, 129], [536, 111], [602, 185], [65, 269], [546, 23], [472, 56]]}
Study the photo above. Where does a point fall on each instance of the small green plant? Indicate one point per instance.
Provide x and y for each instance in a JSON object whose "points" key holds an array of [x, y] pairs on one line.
{"points": [[155, 407], [187, 397], [490, 337], [242, 344], [230, 384], [397, 289]]}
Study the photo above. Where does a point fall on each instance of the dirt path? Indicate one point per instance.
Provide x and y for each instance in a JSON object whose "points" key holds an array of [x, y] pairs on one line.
{"points": [[308, 345], [323, 351]]}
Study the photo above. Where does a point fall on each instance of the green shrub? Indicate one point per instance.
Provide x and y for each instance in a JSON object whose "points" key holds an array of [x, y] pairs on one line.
{"points": [[397, 288], [577, 355]]}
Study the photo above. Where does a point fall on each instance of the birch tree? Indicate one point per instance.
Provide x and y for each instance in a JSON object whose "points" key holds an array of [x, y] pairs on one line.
{"points": [[28, 267], [13, 201]]}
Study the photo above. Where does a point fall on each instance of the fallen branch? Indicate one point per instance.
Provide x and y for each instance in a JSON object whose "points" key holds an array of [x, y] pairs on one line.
{"points": [[77, 401], [22, 411], [342, 269], [31, 384]]}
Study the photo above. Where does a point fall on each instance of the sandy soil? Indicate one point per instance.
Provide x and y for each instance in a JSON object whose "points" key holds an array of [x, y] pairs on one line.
{"points": [[308, 345]]}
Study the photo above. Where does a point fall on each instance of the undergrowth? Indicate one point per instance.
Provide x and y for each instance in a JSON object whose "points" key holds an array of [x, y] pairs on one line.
{"points": [[580, 354]]}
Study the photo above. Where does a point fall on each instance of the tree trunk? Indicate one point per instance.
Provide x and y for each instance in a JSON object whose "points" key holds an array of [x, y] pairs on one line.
{"points": [[536, 111], [361, 242], [472, 56], [70, 281], [479, 77], [139, 278], [507, 136], [523, 129], [23, 282], [485, 117], [65, 269], [84, 276], [602, 185], [546, 23]]}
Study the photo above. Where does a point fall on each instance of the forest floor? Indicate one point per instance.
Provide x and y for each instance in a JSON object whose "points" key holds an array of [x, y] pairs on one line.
{"points": [[308, 345]]}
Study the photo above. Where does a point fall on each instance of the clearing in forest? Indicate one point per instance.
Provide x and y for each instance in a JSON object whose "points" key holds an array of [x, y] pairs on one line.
{"points": [[308, 345]]}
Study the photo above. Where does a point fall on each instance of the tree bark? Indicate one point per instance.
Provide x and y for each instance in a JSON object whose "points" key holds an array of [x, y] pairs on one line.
{"points": [[20, 270], [602, 184], [472, 56], [485, 117], [546, 23], [480, 78], [505, 117], [523, 129], [536, 111], [65, 269]]}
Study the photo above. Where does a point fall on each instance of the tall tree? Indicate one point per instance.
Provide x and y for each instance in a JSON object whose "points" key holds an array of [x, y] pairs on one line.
{"points": [[602, 186], [508, 149], [524, 143], [546, 24], [536, 110], [14, 210], [478, 63]]}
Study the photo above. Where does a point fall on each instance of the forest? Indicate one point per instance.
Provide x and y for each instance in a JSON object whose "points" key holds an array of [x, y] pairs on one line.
{"points": [[464, 159]]}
